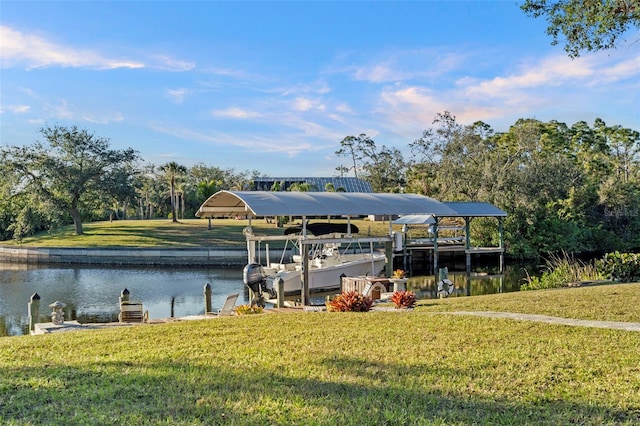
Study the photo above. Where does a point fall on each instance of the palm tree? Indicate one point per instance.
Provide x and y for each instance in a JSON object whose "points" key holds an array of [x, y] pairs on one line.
{"points": [[172, 171], [302, 187]]}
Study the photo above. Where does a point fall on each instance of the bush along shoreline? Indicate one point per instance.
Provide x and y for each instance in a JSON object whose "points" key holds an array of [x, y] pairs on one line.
{"points": [[565, 271]]}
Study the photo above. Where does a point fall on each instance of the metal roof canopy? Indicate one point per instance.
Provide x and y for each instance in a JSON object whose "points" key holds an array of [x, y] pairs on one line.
{"points": [[475, 209], [293, 203], [462, 209]]}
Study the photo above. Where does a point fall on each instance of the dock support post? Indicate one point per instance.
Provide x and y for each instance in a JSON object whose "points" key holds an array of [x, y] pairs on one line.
{"points": [[124, 295], [207, 298], [435, 246], [280, 291], [34, 310], [305, 275], [388, 251], [501, 234]]}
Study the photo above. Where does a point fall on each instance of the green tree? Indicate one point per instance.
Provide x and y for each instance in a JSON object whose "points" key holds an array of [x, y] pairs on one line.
{"points": [[173, 171], [302, 187], [69, 172], [354, 148], [385, 169], [587, 25]]}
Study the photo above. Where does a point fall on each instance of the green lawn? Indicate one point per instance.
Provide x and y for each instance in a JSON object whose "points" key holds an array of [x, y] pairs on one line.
{"points": [[164, 233], [376, 368]]}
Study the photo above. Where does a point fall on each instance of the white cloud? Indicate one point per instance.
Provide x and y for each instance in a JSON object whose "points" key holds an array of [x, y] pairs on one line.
{"points": [[555, 87], [15, 109], [317, 88], [236, 113], [553, 72], [104, 119], [33, 51], [167, 63], [287, 145], [306, 104], [404, 65], [177, 95], [620, 71], [61, 110]]}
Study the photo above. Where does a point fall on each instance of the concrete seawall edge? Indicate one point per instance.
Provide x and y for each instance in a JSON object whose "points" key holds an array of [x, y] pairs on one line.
{"points": [[205, 256]]}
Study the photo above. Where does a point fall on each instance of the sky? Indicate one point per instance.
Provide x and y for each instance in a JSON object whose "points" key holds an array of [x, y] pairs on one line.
{"points": [[273, 87]]}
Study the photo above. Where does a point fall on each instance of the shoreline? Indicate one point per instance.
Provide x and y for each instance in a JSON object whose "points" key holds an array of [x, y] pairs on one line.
{"points": [[118, 256]]}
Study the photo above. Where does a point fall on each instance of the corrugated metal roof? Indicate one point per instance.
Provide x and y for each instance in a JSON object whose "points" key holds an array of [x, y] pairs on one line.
{"points": [[475, 209], [267, 203]]}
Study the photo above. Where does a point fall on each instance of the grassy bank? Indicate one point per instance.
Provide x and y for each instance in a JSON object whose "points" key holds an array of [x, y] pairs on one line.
{"points": [[164, 233], [420, 367]]}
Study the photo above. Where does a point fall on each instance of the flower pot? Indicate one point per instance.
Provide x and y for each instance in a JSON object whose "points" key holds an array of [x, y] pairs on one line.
{"points": [[399, 284]]}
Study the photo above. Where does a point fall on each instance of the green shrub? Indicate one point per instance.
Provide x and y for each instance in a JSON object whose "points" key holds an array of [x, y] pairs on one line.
{"points": [[350, 301], [562, 271], [623, 267]]}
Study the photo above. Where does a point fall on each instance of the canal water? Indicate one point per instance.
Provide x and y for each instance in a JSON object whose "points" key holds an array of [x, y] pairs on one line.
{"points": [[92, 293]]}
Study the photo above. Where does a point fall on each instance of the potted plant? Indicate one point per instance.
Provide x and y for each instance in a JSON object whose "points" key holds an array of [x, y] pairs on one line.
{"points": [[399, 280]]}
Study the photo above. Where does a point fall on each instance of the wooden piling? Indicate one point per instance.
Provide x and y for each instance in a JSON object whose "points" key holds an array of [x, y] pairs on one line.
{"points": [[280, 291], [34, 310], [207, 298], [124, 295]]}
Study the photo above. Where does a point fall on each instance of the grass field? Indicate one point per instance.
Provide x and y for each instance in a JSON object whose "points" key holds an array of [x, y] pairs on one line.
{"points": [[397, 368], [164, 233]]}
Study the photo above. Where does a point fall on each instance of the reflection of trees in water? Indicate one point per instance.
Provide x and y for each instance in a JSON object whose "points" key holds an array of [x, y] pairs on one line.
{"points": [[483, 280]]}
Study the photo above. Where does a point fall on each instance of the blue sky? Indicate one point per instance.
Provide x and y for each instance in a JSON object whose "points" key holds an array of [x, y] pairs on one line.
{"points": [[275, 86]]}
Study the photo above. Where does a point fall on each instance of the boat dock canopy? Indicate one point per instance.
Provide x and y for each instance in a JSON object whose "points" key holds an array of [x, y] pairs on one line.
{"points": [[293, 203], [475, 209], [461, 209]]}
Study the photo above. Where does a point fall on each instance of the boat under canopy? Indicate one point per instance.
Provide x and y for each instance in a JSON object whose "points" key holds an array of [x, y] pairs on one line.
{"points": [[322, 228], [252, 204]]}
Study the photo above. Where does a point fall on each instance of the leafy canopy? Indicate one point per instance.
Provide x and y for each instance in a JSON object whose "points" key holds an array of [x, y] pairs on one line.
{"points": [[587, 25]]}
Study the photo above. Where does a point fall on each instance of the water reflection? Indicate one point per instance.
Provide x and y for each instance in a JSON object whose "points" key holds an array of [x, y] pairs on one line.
{"points": [[91, 293], [476, 284]]}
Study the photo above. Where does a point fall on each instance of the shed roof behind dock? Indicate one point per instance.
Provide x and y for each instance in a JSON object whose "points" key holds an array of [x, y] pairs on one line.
{"points": [[285, 203]]}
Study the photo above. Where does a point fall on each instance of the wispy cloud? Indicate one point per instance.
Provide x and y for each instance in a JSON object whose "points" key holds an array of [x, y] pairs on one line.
{"points": [[236, 113], [306, 104], [402, 65], [286, 144], [177, 95], [551, 82], [15, 109], [34, 51], [168, 63], [115, 117], [554, 72]]}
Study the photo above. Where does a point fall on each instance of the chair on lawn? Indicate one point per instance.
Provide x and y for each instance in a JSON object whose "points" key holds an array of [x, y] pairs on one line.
{"points": [[229, 305]]}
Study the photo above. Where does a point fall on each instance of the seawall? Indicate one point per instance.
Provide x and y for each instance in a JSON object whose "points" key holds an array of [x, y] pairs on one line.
{"points": [[205, 256]]}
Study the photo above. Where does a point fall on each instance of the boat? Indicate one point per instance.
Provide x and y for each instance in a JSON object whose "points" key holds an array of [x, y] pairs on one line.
{"points": [[331, 253]]}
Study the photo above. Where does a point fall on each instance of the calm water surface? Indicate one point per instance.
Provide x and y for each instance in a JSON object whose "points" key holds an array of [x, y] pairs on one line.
{"points": [[91, 293]]}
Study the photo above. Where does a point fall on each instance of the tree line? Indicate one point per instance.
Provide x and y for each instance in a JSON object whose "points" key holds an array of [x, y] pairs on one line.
{"points": [[74, 177], [565, 188], [573, 189]]}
